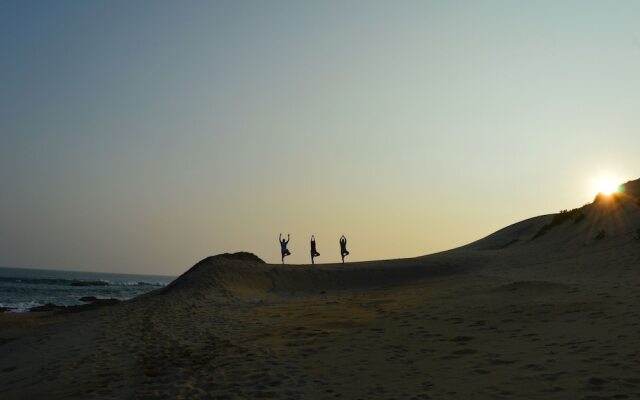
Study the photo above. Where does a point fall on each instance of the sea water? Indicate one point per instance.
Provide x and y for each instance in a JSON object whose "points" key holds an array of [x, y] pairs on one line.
{"points": [[22, 289]]}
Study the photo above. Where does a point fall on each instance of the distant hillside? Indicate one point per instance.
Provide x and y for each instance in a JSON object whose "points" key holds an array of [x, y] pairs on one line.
{"points": [[604, 230], [615, 217]]}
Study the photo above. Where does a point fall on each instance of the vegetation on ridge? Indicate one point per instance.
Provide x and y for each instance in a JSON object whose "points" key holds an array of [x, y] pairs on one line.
{"points": [[576, 215]]}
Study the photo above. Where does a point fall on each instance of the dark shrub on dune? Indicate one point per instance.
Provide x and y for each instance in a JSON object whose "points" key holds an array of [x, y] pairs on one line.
{"points": [[576, 215], [601, 234]]}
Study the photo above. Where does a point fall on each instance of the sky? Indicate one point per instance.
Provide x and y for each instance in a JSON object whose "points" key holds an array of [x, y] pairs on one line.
{"points": [[143, 136]]}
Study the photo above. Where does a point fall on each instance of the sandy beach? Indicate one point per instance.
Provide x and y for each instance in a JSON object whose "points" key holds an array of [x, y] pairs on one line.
{"points": [[508, 316]]}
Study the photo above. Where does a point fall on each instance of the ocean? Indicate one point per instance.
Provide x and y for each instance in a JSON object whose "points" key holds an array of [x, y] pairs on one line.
{"points": [[22, 289]]}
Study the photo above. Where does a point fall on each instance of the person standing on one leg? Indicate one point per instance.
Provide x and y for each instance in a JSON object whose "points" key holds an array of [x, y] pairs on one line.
{"points": [[283, 247], [314, 252], [343, 247]]}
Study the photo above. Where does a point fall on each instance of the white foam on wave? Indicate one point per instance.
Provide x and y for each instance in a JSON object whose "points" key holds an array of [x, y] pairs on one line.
{"points": [[20, 307]]}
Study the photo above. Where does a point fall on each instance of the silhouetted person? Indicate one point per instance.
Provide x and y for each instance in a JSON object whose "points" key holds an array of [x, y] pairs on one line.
{"points": [[343, 247], [314, 252], [283, 247]]}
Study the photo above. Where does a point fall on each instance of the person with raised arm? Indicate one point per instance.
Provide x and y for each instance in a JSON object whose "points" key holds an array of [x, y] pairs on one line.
{"points": [[343, 247], [314, 252], [283, 247]]}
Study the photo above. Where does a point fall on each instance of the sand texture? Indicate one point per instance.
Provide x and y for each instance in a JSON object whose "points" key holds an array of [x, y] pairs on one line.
{"points": [[506, 317]]}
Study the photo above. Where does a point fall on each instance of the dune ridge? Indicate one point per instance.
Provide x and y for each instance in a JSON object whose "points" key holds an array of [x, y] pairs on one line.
{"points": [[227, 276]]}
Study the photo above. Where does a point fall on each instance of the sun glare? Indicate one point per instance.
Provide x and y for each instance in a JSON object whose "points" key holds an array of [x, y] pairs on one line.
{"points": [[607, 186]]}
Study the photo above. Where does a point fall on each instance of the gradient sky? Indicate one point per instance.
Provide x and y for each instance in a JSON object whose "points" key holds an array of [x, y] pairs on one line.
{"points": [[143, 136]]}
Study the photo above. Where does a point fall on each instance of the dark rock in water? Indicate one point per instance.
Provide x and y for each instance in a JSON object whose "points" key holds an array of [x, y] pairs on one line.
{"points": [[93, 301], [89, 283], [3, 309], [92, 305], [46, 307]]}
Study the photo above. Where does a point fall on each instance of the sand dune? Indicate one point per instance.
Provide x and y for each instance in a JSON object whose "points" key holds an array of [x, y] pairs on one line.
{"points": [[233, 275], [547, 308]]}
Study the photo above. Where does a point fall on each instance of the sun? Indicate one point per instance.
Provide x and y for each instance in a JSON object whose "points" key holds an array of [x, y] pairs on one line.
{"points": [[607, 186]]}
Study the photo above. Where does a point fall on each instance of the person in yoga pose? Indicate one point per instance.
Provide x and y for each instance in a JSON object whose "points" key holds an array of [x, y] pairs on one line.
{"points": [[283, 247], [314, 252], [343, 247]]}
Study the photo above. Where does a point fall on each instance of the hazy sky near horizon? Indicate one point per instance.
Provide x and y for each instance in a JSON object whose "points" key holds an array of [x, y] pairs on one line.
{"points": [[143, 136]]}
